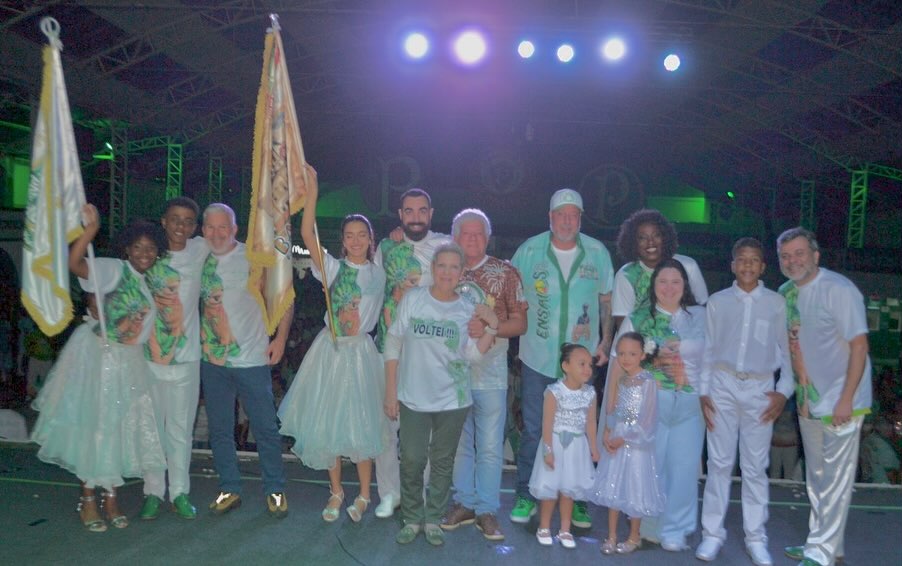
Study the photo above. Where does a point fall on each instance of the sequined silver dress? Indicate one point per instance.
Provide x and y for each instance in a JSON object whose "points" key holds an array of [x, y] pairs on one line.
{"points": [[627, 480], [573, 472]]}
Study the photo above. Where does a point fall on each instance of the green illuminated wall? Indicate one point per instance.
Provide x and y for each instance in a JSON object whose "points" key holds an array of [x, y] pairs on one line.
{"points": [[15, 184]]}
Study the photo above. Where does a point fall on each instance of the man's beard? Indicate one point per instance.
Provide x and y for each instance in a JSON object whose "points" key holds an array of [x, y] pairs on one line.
{"points": [[418, 235]]}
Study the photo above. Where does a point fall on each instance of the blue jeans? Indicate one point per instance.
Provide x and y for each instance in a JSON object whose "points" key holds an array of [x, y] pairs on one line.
{"points": [[480, 453], [532, 393], [253, 386]]}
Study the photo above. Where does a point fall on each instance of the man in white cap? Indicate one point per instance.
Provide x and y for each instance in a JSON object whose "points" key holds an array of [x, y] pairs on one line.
{"points": [[567, 279]]}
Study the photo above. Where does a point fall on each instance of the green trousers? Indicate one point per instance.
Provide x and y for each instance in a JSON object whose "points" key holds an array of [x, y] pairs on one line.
{"points": [[431, 437]]}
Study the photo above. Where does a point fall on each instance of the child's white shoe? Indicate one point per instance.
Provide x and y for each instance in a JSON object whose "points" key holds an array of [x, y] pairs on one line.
{"points": [[544, 537], [566, 539]]}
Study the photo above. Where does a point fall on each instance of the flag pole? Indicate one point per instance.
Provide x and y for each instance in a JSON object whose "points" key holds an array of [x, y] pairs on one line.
{"points": [[322, 262]]}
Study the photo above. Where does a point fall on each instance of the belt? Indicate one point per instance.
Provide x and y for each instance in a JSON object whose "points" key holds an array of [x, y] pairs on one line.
{"points": [[742, 375]]}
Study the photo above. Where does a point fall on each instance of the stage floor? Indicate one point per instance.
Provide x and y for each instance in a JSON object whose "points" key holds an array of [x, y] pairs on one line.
{"points": [[39, 525]]}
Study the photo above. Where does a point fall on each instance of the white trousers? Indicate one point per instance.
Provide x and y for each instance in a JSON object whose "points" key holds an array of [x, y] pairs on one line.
{"points": [[388, 467], [739, 406], [831, 457], [175, 391]]}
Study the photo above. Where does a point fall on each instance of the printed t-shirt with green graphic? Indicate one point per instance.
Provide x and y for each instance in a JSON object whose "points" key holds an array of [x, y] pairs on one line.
{"points": [[557, 301], [356, 292], [433, 370], [407, 264], [826, 314], [232, 332], [174, 282], [496, 283], [127, 304], [632, 281]]}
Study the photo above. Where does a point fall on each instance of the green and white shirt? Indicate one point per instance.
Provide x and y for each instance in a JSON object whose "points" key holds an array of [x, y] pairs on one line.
{"points": [[562, 307]]}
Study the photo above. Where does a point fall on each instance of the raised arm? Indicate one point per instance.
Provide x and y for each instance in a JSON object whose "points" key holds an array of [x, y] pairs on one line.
{"points": [[308, 220], [91, 220]]}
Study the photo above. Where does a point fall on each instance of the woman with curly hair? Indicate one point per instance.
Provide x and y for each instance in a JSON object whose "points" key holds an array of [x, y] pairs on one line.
{"points": [[96, 413], [645, 239]]}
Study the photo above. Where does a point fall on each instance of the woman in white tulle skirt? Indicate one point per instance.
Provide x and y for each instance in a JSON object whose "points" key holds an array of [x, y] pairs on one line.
{"points": [[96, 415], [334, 406], [626, 479], [563, 469]]}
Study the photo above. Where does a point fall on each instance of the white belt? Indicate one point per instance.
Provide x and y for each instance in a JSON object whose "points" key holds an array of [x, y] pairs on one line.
{"points": [[742, 375]]}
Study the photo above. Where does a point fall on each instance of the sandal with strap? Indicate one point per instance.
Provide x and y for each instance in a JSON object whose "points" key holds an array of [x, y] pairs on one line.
{"points": [[609, 546], [89, 514], [119, 521], [629, 546], [359, 507], [330, 514]]}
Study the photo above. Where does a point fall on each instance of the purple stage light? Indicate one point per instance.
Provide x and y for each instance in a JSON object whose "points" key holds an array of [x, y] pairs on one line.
{"points": [[526, 49], [416, 45], [470, 47]]}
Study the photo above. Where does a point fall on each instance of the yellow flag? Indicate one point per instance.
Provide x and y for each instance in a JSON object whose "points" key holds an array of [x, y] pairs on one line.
{"points": [[278, 186], [55, 199]]}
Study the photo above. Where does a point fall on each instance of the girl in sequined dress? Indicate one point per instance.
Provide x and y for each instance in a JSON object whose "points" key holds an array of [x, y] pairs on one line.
{"points": [[563, 469], [626, 479]]}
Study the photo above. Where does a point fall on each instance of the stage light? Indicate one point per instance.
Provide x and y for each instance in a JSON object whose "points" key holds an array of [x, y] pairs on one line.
{"points": [[565, 53], [731, 194], [416, 45], [613, 49], [470, 47], [108, 145], [526, 49], [672, 62]]}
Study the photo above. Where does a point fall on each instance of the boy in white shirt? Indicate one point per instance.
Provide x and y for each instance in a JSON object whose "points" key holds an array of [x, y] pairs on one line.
{"points": [[747, 342]]}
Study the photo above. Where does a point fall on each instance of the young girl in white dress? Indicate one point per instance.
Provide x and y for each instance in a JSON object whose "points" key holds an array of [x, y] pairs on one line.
{"points": [[96, 414], [334, 405], [563, 469], [626, 479]]}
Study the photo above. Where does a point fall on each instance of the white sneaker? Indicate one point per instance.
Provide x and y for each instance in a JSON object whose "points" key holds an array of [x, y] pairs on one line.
{"points": [[759, 554], [673, 545], [387, 506], [708, 549]]}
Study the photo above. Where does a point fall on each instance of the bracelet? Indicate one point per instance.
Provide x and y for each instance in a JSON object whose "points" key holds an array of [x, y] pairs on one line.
{"points": [[547, 449], [491, 331]]}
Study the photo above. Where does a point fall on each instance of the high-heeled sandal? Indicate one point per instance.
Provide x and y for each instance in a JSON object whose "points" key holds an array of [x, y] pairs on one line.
{"points": [[330, 514], [119, 521], [358, 508], [89, 514]]}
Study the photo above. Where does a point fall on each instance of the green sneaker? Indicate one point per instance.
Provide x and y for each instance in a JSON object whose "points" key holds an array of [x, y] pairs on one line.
{"points": [[580, 516], [183, 507], [523, 510], [795, 552], [151, 508]]}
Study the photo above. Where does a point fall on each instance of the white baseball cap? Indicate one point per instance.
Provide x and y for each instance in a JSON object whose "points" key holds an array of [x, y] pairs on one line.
{"points": [[566, 196]]}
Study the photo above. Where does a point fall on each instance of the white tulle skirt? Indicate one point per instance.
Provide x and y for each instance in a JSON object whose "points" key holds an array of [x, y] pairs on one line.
{"points": [[573, 473], [96, 414], [334, 405]]}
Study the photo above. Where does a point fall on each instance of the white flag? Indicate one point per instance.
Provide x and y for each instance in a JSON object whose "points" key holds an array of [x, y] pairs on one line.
{"points": [[55, 199]]}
